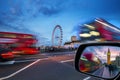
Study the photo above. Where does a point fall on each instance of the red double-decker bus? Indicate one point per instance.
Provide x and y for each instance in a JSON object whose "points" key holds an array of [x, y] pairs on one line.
{"points": [[20, 43]]}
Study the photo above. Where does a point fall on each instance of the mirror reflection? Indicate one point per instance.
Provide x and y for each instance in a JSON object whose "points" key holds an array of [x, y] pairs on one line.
{"points": [[102, 61]]}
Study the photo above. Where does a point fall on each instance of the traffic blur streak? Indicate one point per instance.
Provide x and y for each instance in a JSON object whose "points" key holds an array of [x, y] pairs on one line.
{"points": [[89, 62], [20, 43]]}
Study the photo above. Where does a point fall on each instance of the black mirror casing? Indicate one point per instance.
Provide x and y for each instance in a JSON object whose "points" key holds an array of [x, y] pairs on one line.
{"points": [[81, 49]]}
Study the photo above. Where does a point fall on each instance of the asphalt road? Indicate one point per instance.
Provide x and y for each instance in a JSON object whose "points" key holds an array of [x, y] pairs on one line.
{"points": [[47, 66]]}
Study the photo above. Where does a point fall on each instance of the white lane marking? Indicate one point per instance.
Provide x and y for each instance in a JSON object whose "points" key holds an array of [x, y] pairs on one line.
{"points": [[7, 62], [70, 54], [25, 60], [13, 74], [87, 78], [67, 61], [42, 54]]}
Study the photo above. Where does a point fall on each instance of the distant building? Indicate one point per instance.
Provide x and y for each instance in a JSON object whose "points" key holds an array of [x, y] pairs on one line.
{"points": [[67, 45], [74, 43], [73, 38]]}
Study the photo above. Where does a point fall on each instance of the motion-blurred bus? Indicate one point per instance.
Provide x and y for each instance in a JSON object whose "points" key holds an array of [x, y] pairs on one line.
{"points": [[89, 62], [19, 43]]}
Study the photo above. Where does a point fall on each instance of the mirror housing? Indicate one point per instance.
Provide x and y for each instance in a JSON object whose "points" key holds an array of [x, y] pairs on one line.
{"points": [[80, 51]]}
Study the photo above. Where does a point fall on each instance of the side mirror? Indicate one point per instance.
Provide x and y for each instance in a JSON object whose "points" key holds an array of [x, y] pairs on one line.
{"points": [[100, 60]]}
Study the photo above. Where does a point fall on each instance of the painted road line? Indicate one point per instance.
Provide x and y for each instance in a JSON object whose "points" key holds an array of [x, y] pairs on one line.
{"points": [[70, 54], [13, 74], [87, 78], [7, 62], [20, 61], [67, 61]]}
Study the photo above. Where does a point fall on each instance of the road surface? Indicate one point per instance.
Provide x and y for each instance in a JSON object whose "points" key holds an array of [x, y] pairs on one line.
{"points": [[47, 66]]}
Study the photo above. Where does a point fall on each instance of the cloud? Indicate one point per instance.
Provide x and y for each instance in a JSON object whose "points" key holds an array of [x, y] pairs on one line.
{"points": [[18, 29], [51, 12]]}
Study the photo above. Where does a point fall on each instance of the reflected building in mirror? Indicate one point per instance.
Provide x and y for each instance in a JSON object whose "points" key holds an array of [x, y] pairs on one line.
{"points": [[117, 61], [108, 57]]}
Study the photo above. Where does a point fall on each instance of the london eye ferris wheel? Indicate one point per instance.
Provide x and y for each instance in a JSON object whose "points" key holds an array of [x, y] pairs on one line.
{"points": [[57, 36]]}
